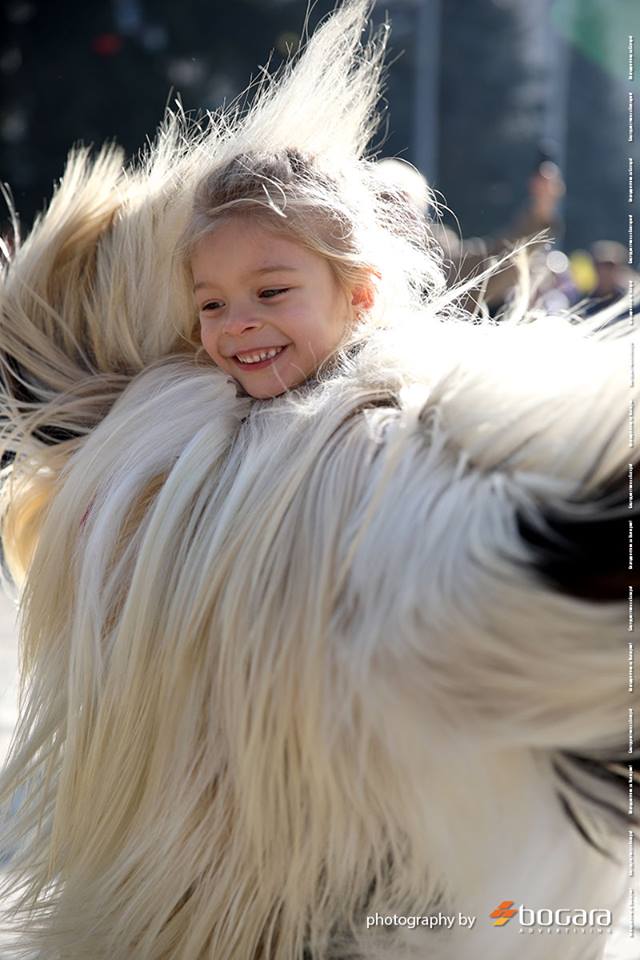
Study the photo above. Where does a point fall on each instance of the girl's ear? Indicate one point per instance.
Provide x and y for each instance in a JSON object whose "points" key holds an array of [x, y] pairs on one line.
{"points": [[363, 296]]}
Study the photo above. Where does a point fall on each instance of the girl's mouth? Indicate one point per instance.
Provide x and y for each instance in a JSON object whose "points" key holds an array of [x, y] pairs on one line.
{"points": [[258, 359]]}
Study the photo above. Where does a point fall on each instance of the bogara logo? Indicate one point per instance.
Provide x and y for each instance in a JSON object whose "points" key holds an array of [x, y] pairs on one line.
{"points": [[546, 919], [503, 913]]}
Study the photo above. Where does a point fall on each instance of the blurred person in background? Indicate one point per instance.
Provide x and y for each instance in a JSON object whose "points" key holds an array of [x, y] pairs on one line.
{"points": [[465, 258], [612, 280]]}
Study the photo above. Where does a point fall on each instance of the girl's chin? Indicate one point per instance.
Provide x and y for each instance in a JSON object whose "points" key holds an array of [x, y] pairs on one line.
{"points": [[266, 386]]}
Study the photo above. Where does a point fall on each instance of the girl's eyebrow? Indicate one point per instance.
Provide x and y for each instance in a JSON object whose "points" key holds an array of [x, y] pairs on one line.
{"points": [[274, 267], [271, 268]]}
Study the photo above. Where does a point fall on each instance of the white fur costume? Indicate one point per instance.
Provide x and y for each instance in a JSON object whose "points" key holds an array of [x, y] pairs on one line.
{"points": [[293, 663]]}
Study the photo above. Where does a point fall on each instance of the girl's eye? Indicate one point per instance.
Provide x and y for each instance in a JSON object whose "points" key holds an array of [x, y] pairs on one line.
{"points": [[211, 305], [273, 292]]}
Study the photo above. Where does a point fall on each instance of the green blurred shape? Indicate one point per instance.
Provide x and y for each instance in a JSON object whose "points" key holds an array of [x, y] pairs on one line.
{"points": [[600, 29]]}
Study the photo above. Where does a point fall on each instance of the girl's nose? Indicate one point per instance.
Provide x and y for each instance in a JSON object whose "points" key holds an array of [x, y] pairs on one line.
{"points": [[239, 321]]}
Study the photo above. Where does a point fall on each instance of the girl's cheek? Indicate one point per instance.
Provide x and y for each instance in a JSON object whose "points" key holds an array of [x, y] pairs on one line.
{"points": [[209, 344], [205, 331]]}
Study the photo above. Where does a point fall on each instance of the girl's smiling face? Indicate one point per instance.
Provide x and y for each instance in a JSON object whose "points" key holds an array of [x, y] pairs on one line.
{"points": [[270, 309]]}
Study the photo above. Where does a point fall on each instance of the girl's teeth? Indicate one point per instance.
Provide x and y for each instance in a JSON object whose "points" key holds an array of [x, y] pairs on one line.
{"points": [[262, 355]]}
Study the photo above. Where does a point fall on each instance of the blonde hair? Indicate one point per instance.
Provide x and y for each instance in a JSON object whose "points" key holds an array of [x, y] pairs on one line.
{"points": [[254, 634], [348, 217]]}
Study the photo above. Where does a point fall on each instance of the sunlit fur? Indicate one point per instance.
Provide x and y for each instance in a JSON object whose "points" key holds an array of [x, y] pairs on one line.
{"points": [[289, 663]]}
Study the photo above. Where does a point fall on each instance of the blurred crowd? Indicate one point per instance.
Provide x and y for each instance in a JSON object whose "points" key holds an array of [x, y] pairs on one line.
{"points": [[585, 282]]}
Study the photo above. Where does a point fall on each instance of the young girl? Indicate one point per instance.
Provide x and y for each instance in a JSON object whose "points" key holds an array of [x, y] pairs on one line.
{"points": [[307, 665], [276, 293]]}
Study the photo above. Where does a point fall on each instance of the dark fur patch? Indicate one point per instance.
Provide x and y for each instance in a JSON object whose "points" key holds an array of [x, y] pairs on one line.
{"points": [[613, 773], [583, 549]]}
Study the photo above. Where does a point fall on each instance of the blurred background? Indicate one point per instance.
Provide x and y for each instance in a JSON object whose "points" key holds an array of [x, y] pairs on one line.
{"points": [[517, 111], [476, 90]]}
